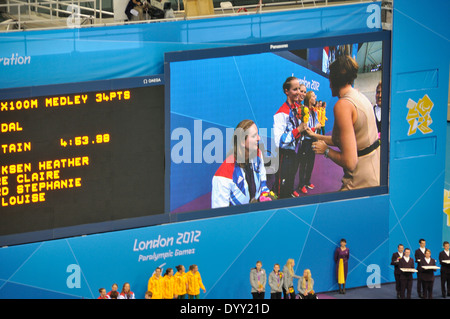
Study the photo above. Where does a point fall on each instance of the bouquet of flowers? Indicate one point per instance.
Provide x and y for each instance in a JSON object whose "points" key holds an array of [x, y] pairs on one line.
{"points": [[303, 113], [260, 286], [268, 196]]}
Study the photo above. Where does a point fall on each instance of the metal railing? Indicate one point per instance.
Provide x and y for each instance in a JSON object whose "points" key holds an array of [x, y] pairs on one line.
{"points": [[62, 13], [50, 14]]}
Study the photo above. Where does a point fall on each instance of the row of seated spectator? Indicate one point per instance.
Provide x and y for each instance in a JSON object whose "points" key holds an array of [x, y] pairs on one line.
{"points": [[168, 286]]}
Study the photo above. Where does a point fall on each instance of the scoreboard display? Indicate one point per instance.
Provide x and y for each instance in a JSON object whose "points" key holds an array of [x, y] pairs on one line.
{"points": [[69, 159]]}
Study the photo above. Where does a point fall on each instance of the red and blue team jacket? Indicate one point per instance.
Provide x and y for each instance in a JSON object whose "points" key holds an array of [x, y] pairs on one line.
{"points": [[229, 186], [285, 123]]}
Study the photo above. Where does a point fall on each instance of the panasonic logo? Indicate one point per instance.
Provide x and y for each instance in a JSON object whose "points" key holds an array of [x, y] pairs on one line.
{"points": [[279, 46], [15, 59]]}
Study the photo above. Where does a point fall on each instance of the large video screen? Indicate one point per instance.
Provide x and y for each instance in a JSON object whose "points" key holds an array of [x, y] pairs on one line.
{"points": [[249, 126], [80, 154]]}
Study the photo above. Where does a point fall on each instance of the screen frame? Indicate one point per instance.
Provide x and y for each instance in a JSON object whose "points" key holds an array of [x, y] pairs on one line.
{"points": [[164, 80], [383, 189], [88, 228]]}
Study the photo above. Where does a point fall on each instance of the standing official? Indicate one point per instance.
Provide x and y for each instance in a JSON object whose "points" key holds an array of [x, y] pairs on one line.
{"points": [[406, 277], [427, 275], [377, 107], [445, 270], [394, 262], [418, 256], [341, 257]]}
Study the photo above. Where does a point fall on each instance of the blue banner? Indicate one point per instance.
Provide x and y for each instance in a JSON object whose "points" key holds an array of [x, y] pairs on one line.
{"points": [[419, 95], [74, 55], [224, 249]]}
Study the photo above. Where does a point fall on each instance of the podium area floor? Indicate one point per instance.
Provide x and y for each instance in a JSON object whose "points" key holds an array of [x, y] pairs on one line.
{"points": [[386, 291]]}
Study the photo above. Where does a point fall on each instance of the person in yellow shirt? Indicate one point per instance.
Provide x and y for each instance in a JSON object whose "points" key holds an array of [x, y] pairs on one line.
{"points": [[322, 117], [155, 284], [168, 284], [194, 283], [180, 287]]}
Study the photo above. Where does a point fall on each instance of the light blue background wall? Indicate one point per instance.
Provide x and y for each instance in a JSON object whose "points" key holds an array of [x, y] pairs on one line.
{"points": [[224, 248], [229, 246], [417, 162], [446, 216], [100, 53]]}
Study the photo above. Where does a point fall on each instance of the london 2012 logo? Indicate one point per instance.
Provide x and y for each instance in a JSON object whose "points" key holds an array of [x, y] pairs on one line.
{"points": [[419, 115], [447, 205]]}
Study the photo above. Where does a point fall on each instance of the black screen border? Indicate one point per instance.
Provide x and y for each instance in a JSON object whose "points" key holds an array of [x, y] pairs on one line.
{"points": [[179, 56], [88, 228], [164, 80]]}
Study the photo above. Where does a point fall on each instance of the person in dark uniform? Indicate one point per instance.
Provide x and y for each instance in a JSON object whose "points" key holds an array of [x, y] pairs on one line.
{"points": [[341, 257], [427, 275], [445, 270], [394, 262], [419, 254], [406, 277]]}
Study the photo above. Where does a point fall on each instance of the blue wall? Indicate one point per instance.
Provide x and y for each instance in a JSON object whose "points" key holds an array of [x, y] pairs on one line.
{"points": [[100, 53], [417, 161], [224, 248], [446, 216], [227, 247]]}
